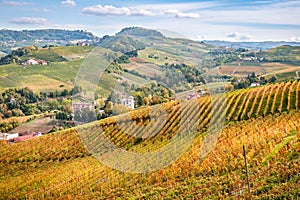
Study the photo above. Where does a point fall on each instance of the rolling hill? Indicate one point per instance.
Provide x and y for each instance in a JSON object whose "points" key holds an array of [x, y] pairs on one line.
{"points": [[10, 39], [65, 61], [251, 45], [264, 119], [140, 56]]}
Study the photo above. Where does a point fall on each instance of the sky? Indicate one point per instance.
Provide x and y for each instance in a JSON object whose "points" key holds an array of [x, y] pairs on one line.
{"points": [[242, 20]]}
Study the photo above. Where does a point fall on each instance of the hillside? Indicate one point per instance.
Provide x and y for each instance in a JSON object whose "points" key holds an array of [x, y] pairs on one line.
{"points": [[148, 56], [58, 74], [148, 46], [10, 38], [282, 62], [59, 166], [251, 45]]}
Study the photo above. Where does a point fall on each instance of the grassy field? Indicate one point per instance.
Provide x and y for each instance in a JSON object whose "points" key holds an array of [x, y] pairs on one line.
{"points": [[161, 57], [6, 83], [240, 70], [147, 69], [280, 69], [20, 120], [73, 52], [38, 83], [43, 125], [39, 77], [60, 75], [266, 69], [134, 78], [45, 54]]}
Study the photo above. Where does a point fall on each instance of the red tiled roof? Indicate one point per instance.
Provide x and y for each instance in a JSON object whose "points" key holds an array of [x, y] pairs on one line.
{"points": [[23, 138]]}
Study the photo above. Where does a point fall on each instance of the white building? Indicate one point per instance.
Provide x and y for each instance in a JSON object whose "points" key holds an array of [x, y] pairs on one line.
{"points": [[7, 136], [254, 84], [31, 62], [129, 102], [35, 62]]}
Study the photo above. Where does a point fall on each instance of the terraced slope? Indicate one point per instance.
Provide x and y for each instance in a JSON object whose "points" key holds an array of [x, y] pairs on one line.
{"points": [[59, 166]]}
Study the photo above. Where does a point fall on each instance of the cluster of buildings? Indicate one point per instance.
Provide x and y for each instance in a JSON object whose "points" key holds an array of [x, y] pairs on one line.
{"points": [[11, 138], [34, 62], [79, 106], [198, 94]]}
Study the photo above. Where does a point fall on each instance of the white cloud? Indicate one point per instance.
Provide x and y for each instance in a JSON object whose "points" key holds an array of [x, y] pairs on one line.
{"points": [[179, 14], [201, 37], [68, 3], [143, 13], [294, 39], [29, 20], [240, 37], [187, 15], [105, 10], [16, 3], [45, 10], [186, 6]]}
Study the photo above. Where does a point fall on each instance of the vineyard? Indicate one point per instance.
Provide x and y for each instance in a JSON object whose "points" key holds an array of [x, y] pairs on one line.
{"points": [[264, 119]]}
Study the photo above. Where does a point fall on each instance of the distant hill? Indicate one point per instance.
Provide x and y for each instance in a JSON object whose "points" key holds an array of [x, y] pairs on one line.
{"points": [[140, 32], [250, 45], [147, 56], [130, 39], [121, 43], [11, 38]]}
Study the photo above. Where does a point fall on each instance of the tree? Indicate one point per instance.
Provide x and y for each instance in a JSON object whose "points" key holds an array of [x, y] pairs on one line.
{"points": [[53, 104], [108, 108]]}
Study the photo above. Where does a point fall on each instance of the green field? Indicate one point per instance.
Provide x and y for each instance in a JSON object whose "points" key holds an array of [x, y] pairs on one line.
{"points": [[49, 77], [159, 57], [73, 52]]}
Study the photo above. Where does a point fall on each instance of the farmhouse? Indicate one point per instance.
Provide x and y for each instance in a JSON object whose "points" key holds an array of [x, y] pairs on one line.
{"points": [[26, 137], [7, 136], [16, 137], [30, 62], [23, 138], [128, 101], [254, 84], [42, 62], [34, 62], [199, 93]]}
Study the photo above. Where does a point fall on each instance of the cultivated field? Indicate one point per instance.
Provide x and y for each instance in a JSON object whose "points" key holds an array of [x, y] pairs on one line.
{"points": [[59, 166], [147, 69], [43, 125]]}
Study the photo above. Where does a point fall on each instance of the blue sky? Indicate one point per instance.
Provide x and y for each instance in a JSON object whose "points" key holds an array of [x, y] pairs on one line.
{"points": [[257, 20]]}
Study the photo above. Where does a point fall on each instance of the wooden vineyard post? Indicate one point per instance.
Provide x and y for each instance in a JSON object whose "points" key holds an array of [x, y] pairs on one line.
{"points": [[246, 166]]}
